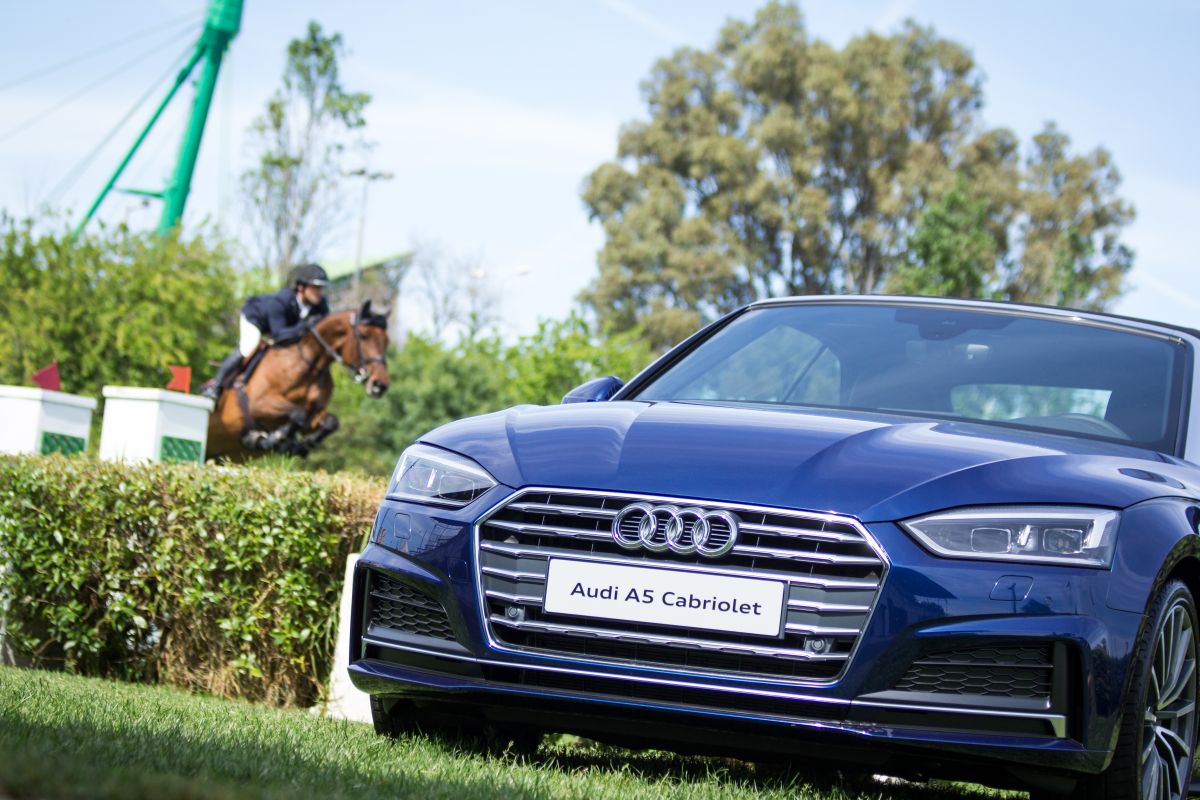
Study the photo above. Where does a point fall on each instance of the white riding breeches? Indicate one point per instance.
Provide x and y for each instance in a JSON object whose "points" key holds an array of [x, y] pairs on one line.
{"points": [[248, 337]]}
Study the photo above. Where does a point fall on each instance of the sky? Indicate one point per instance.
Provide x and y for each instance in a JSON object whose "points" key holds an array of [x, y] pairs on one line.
{"points": [[490, 115]]}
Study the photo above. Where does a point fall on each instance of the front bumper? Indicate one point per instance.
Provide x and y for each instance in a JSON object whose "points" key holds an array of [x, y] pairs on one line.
{"points": [[927, 604]]}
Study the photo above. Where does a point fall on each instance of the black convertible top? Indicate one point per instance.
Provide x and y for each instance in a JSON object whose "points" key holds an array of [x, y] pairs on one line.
{"points": [[876, 298]]}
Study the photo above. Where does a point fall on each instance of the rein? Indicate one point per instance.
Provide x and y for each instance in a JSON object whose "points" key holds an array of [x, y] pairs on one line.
{"points": [[359, 368]]}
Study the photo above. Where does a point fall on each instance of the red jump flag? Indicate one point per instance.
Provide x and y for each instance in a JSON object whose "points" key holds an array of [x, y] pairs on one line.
{"points": [[47, 377], [181, 379]]}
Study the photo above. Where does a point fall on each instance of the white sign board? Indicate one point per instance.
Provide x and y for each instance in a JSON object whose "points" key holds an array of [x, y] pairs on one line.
{"points": [[665, 597]]}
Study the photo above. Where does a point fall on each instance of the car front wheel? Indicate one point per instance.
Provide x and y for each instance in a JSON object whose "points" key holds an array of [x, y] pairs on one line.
{"points": [[1153, 759]]}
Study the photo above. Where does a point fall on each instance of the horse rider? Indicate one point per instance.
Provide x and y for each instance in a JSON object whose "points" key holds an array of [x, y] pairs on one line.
{"points": [[279, 316]]}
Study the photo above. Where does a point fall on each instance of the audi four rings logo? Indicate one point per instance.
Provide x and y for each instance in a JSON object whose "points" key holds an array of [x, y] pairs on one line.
{"points": [[680, 530]]}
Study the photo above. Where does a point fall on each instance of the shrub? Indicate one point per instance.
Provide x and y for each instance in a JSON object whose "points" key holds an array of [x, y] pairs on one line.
{"points": [[225, 580], [113, 306]]}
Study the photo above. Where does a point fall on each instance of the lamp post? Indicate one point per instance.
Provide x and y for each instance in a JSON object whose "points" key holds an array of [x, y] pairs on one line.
{"points": [[367, 178]]}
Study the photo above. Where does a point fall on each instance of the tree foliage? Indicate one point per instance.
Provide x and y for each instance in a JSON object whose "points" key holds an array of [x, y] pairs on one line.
{"points": [[771, 132], [434, 383], [292, 193], [950, 252], [115, 307], [562, 354]]}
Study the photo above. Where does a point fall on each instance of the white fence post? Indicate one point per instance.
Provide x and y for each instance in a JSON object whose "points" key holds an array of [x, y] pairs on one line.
{"points": [[6, 655], [346, 701]]}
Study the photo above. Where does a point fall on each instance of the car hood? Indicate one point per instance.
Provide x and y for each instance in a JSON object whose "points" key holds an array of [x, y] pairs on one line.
{"points": [[872, 466]]}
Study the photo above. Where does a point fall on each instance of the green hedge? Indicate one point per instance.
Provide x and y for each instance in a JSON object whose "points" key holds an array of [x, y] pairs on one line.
{"points": [[224, 580]]}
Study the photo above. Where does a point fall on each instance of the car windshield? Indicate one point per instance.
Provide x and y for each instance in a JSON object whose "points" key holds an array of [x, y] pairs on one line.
{"points": [[943, 362]]}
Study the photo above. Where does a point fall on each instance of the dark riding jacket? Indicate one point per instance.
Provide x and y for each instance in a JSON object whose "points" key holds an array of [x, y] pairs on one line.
{"points": [[277, 314]]}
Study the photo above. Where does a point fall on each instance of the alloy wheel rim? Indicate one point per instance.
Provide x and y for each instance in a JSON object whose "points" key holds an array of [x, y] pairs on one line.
{"points": [[1169, 721]]}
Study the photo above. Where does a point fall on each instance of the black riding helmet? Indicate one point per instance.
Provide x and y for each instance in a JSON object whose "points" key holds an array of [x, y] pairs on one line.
{"points": [[312, 275]]}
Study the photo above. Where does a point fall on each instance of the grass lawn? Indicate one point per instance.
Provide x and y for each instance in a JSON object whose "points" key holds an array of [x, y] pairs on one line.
{"points": [[62, 736]]}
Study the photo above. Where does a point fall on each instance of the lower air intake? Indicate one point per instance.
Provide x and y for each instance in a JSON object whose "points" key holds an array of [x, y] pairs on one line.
{"points": [[397, 607], [996, 671]]}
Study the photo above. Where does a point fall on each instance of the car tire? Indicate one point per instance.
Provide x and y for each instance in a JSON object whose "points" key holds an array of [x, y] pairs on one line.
{"points": [[1156, 742], [385, 723], [396, 718]]}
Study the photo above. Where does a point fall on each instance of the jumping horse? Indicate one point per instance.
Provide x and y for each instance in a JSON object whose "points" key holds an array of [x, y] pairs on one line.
{"points": [[283, 406]]}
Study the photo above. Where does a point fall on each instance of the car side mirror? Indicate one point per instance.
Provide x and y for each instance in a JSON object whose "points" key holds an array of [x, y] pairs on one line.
{"points": [[595, 390]]}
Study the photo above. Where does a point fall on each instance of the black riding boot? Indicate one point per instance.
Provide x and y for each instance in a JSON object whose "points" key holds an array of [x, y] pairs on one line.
{"points": [[229, 367]]}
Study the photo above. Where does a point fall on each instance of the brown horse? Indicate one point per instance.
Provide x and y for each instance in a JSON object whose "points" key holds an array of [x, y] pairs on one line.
{"points": [[283, 407]]}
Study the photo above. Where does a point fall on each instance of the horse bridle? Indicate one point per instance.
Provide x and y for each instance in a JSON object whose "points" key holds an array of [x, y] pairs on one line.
{"points": [[359, 368]]}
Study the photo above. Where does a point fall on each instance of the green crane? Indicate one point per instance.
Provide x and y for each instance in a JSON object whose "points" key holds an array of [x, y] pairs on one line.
{"points": [[221, 25]]}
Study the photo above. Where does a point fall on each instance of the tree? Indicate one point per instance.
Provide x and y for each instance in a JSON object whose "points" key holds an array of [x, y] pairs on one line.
{"points": [[454, 291], [113, 307], [951, 253], [293, 193], [1069, 224], [1065, 217], [564, 353], [771, 133]]}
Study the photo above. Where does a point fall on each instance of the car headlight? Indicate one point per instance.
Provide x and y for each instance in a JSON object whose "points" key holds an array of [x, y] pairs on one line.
{"points": [[429, 475], [1084, 537]]}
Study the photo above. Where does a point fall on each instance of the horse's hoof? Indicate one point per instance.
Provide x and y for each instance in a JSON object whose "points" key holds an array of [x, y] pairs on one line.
{"points": [[257, 440]]}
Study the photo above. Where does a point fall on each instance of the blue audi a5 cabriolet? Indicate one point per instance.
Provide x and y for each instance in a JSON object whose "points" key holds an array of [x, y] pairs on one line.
{"points": [[919, 537]]}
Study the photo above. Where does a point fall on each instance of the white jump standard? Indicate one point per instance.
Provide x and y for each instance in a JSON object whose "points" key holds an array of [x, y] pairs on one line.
{"points": [[153, 425], [43, 421]]}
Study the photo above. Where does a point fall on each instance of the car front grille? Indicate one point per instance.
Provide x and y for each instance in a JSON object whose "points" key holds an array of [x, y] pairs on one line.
{"points": [[833, 575], [396, 607], [997, 671]]}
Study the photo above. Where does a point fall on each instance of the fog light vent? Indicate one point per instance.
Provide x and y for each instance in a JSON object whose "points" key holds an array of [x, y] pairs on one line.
{"points": [[398, 607], [996, 670]]}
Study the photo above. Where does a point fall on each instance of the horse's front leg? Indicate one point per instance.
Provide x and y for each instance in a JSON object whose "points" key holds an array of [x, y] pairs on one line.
{"points": [[281, 439], [320, 426]]}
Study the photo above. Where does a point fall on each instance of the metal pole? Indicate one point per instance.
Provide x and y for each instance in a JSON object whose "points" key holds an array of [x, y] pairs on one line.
{"points": [[362, 224], [367, 177], [220, 27], [179, 79], [222, 24]]}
